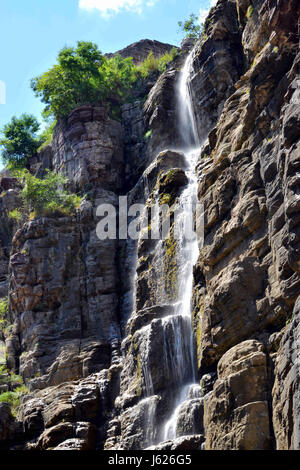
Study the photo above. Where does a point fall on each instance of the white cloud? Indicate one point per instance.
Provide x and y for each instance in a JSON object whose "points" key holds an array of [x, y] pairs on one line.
{"points": [[108, 8], [203, 12]]}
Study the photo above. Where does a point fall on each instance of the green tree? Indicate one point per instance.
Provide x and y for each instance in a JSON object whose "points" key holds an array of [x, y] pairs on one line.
{"points": [[74, 81], [83, 76], [19, 140], [191, 27], [119, 76]]}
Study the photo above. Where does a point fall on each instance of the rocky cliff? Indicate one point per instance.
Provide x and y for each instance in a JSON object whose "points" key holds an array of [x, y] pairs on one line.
{"points": [[94, 325], [140, 50]]}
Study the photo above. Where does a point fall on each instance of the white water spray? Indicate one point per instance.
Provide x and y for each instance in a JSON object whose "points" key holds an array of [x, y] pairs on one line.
{"points": [[178, 354], [188, 251], [187, 121]]}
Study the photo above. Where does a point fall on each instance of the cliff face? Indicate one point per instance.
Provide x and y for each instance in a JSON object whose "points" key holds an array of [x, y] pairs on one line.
{"points": [[93, 331]]}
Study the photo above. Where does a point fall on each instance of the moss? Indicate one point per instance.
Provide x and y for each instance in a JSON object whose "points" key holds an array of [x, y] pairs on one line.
{"points": [[197, 321], [165, 199], [144, 260], [137, 384], [249, 12], [168, 187], [170, 268], [148, 134]]}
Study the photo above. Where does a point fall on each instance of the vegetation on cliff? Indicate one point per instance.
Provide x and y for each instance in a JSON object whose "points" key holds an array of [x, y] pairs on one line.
{"points": [[83, 75], [20, 140], [154, 64], [45, 196], [14, 386]]}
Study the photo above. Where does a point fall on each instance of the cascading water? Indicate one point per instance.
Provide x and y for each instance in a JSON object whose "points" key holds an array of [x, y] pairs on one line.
{"points": [[187, 255], [178, 356], [186, 116]]}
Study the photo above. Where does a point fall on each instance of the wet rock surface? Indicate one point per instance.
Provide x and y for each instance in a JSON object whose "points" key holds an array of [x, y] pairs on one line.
{"points": [[94, 331]]}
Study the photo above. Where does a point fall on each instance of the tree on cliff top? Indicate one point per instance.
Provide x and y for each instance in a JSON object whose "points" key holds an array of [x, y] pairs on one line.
{"points": [[19, 140], [83, 76], [191, 27]]}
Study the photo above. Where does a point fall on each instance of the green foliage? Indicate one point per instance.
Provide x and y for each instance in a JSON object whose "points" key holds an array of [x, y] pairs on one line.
{"points": [[149, 65], [3, 307], [15, 215], [190, 27], [9, 378], [46, 196], [118, 75], [13, 398], [75, 80], [154, 64], [19, 140], [83, 76], [166, 59], [3, 315], [47, 135]]}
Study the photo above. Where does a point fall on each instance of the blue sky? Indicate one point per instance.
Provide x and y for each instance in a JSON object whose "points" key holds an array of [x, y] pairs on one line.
{"points": [[33, 31]]}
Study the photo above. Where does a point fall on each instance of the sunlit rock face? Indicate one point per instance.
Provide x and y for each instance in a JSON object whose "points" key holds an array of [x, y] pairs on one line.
{"points": [[89, 149], [134, 344]]}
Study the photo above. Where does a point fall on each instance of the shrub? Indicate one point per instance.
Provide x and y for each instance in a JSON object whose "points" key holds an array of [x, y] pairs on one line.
{"points": [[149, 65], [46, 196], [13, 398], [3, 315], [15, 215], [20, 140], [156, 64], [166, 59], [16, 388]]}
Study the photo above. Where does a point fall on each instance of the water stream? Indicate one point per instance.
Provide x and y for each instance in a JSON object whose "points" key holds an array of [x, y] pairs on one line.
{"points": [[188, 251], [178, 354]]}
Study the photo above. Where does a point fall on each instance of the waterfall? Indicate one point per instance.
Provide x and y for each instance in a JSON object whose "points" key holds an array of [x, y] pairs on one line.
{"points": [[183, 358], [178, 362], [186, 116]]}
